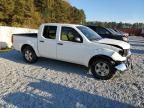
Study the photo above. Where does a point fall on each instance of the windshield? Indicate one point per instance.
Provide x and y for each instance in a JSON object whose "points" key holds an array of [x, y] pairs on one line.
{"points": [[89, 33]]}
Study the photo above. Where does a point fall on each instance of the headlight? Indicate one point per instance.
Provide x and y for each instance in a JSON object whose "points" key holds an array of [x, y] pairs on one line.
{"points": [[125, 52]]}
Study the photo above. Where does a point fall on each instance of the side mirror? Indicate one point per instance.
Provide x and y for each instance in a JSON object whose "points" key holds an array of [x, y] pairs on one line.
{"points": [[78, 39]]}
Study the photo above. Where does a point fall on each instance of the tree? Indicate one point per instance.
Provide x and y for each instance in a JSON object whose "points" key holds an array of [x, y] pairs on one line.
{"points": [[30, 13], [6, 11]]}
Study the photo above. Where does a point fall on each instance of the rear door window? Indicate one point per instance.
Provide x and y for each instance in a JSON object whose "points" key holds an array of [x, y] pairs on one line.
{"points": [[50, 32]]}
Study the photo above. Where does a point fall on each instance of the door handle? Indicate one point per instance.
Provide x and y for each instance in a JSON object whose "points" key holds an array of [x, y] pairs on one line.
{"points": [[60, 43], [41, 41]]}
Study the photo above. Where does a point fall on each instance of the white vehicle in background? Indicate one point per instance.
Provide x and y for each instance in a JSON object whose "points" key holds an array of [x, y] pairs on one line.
{"points": [[76, 44]]}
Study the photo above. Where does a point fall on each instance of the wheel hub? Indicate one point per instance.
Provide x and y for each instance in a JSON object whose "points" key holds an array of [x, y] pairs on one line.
{"points": [[28, 55], [102, 69]]}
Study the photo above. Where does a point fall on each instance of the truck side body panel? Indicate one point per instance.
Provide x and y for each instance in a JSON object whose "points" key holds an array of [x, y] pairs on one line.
{"points": [[20, 41]]}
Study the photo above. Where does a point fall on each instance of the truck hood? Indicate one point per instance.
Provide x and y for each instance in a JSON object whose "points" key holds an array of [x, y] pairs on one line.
{"points": [[117, 43]]}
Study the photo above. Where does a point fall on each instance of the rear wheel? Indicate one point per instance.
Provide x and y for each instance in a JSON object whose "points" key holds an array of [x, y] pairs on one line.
{"points": [[102, 69], [29, 55]]}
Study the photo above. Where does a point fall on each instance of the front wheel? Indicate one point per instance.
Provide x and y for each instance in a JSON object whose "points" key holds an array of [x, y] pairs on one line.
{"points": [[29, 55], [102, 69]]}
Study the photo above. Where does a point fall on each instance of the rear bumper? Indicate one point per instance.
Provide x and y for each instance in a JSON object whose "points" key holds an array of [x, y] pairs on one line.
{"points": [[125, 65]]}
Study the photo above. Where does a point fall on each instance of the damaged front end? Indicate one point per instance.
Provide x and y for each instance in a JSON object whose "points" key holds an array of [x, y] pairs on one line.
{"points": [[125, 64]]}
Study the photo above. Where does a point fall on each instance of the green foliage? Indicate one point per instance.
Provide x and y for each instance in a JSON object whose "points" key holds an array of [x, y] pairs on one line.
{"points": [[6, 11], [31, 13]]}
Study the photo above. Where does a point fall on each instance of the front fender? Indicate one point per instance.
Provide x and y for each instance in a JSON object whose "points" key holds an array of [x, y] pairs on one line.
{"points": [[117, 57], [108, 53], [103, 51]]}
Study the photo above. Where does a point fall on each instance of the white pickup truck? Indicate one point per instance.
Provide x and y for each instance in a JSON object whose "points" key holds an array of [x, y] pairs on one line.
{"points": [[76, 44]]}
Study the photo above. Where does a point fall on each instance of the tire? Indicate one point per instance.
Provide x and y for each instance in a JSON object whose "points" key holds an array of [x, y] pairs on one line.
{"points": [[29, 55], [102, 69]]}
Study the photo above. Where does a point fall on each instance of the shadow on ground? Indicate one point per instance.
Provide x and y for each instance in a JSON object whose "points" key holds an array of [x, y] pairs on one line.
{"points": [[48, 64], [136, 41], [59, 97], [138, 45], [137, 51]]}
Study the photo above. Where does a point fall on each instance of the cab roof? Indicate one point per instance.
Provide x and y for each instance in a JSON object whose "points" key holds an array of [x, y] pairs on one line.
{"points": [[62, 24]]}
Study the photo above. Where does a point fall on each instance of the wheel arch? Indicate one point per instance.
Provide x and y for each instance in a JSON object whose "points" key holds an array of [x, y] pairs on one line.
{"points": [[26, 45], [33, 54], [99, 57]]}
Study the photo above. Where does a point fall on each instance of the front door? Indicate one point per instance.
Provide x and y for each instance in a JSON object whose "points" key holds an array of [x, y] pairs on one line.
{"points": [[70, 46]]}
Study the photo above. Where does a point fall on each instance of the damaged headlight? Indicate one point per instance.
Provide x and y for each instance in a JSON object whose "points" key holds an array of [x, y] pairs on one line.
{"points": [[125, 52], [121, 52]]}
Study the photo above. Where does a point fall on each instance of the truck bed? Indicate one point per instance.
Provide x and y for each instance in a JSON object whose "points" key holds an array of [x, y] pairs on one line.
{"points": [[34, 35], [25, 38]]}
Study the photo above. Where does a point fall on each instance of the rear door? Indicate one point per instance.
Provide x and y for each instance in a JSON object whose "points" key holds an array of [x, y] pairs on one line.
{"points": [[47, 42]]}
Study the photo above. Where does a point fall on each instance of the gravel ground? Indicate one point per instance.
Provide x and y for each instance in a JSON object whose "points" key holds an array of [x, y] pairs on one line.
{"points": [[55, 84]]}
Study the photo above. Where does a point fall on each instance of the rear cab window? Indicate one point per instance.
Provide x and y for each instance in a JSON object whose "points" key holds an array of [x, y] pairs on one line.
{"points": [[49, 32]]}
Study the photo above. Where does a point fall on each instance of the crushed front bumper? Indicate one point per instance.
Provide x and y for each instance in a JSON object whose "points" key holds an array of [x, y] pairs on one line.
{"points": [[125, 65]]}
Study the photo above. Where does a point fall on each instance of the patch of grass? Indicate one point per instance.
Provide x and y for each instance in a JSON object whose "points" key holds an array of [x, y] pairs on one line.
{"points": [[5, 50]]}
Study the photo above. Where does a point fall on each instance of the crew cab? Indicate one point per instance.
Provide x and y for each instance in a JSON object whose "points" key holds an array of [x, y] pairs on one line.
{"points": [[109, 33], [76, 44]]}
